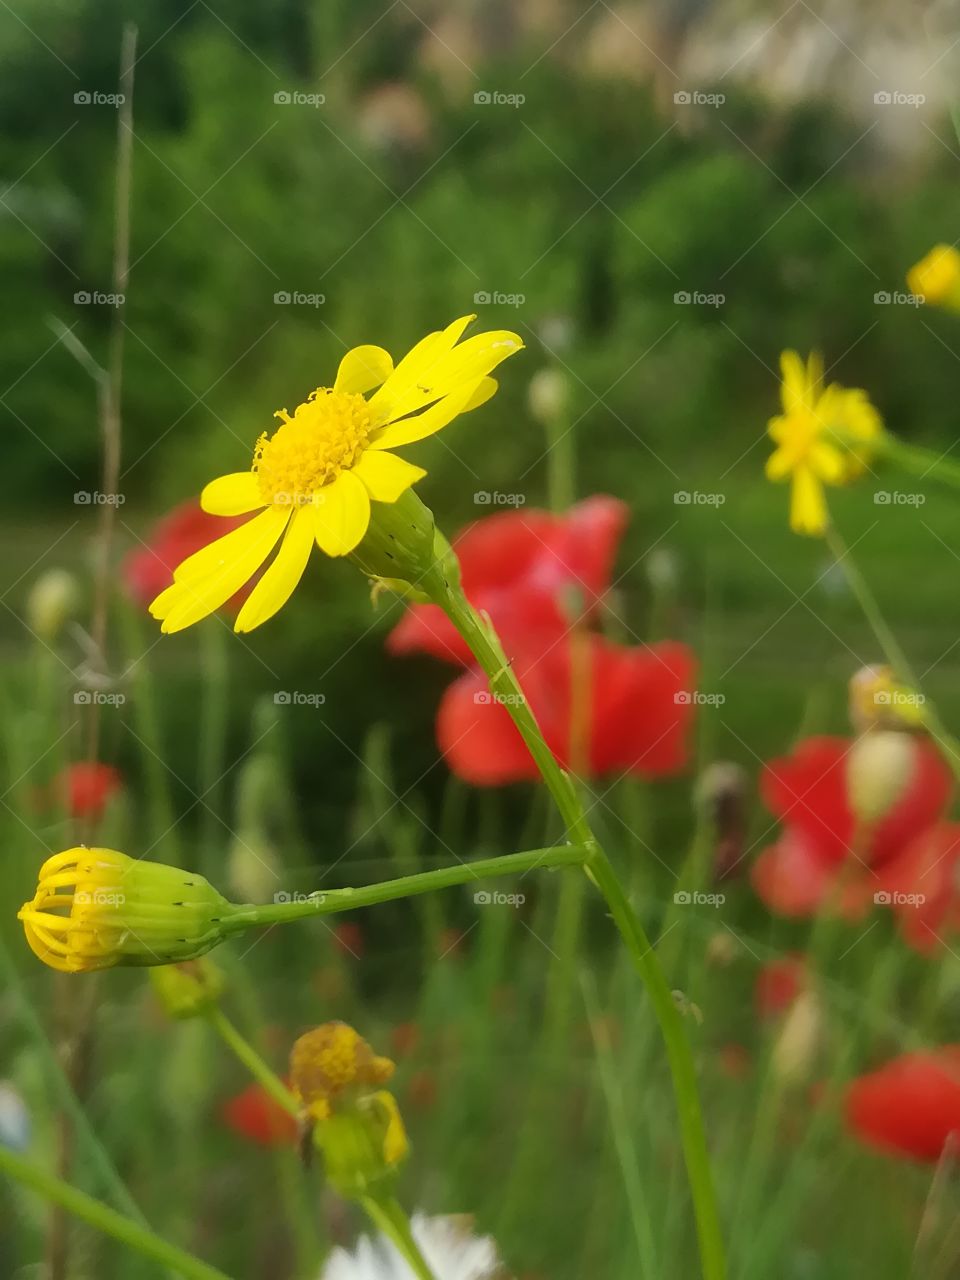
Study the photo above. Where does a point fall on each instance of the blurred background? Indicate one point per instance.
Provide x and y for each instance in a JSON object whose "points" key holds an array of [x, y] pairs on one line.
{"points": [[658, 198]]}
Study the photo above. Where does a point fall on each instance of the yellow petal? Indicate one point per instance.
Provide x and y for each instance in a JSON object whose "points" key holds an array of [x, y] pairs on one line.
{"points": [[341, 513], [794, 391], [362, 369], [486, 389], [827, 462], [419, 358], [197, 595], [808, 509], [385, 475], [425, 424], [278, 583], [467, 362], [232, 495], [778, 465], [215, 555]]}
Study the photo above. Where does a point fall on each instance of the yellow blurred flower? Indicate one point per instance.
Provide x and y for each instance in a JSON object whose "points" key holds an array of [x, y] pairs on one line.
{"points": [[823, 436], [936, 277], [313, 479], [95, 908]]}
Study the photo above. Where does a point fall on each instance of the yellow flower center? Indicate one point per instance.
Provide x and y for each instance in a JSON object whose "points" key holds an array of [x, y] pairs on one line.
{"points": [[325, 436]]}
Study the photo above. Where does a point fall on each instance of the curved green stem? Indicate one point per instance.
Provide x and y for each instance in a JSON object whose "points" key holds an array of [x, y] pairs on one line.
{"points": [[918, 461], [334, 900], [245, 1051], [890, 646], [443, 586], [388, 1215], [103, 1218]]}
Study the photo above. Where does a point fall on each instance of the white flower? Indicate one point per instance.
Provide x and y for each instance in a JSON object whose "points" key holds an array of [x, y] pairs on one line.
{"points": [[445, 1242]]}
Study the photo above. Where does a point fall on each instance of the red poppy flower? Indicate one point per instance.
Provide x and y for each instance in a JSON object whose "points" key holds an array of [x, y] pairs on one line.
{"points": [[184, 530], [910, 1105], [921, 886], [84, 789], [527, 570], [820, 853], [639, 709], [778, 984], [254, 1115]]}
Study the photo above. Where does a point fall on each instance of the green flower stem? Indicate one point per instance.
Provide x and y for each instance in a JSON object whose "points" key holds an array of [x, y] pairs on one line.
{"points": [[918, 461], [333, 900], [890, 646], [103, 1218], [390, 1218], [245, 1051], [442, 584]]}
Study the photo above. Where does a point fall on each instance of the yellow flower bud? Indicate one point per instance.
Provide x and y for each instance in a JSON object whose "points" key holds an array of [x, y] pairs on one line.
{"points": [[877, 701], [95, 908], [188, 989], [795, 1052]]}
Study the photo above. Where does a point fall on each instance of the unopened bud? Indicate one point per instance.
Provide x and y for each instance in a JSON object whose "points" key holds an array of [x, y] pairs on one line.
{"points": [[188, 989], [548, 396], [51, 603], [880, 766], [796, 1048]]}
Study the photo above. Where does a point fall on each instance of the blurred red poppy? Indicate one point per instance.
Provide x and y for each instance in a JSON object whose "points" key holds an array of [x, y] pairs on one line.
{"points": [[254, 1115], [911, 1105], [187, 528], [529, 570], [638, 709], [820, 855], [778, 984], [921, 886], [84, 789]]}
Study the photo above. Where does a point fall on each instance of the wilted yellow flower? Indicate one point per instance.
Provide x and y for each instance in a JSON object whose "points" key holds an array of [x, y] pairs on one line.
{"points": [[95, 908], [337, 1078], [313, 479], [936, 277], [823, 436]]}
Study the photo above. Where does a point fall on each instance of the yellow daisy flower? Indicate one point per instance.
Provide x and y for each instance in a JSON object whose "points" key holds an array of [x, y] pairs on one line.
{"points": [[313, 479], [823, 436], [936, 277]]}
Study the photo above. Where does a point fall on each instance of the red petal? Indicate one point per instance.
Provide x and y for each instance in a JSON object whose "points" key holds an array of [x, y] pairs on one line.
{"points": [[911, 1105], [809, 791], [791, 877], [525, 569], [778, 984], [477, 736], [632, 721]]}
